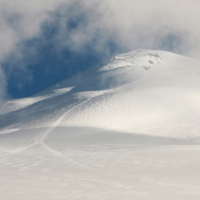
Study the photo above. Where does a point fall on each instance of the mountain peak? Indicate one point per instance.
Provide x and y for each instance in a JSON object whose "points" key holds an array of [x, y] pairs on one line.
{"points": [[132, 92]]}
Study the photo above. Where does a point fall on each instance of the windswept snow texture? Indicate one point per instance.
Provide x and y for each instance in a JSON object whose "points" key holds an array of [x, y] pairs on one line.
{"points": [[127, 128]]}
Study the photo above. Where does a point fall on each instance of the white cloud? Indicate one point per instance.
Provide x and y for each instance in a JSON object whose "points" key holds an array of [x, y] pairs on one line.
{"points": [[136, 24], [131, 24]]}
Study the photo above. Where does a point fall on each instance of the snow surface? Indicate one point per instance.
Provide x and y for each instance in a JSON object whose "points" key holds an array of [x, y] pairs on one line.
{"points": [[125, 129]]}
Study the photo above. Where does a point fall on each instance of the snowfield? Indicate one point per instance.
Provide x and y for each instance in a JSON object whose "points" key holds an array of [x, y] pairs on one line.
{"points": [[127, 128]]}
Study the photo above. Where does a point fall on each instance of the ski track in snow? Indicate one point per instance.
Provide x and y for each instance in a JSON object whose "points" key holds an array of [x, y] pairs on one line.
{"points": [[40, 139], [22, 148], [45, 134]]}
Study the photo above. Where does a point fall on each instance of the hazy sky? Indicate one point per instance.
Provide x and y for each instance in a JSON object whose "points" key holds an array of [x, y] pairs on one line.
{"points": [[45, 41]]}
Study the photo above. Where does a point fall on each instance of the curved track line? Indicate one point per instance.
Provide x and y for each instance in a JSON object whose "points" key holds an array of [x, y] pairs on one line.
{"points": [[10, 153], [57, 122], [44, 135], [41, 138]]}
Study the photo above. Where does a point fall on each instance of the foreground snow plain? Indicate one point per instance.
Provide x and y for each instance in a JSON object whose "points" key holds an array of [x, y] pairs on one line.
{"points": [[125, 129]]}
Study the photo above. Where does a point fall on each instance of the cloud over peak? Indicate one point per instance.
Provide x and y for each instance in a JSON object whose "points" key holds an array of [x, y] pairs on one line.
{"points": [[156, 24]]}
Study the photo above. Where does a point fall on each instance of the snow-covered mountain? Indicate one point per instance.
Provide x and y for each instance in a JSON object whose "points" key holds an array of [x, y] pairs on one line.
{"points": [[127, 128]]}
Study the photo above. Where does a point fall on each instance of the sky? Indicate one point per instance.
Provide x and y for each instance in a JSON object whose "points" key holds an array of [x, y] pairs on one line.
{"points": [[45, 41]]}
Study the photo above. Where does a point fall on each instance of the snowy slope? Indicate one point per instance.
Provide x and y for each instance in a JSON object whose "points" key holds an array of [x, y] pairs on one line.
{"points": [[127, 128], [144, 91]]}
